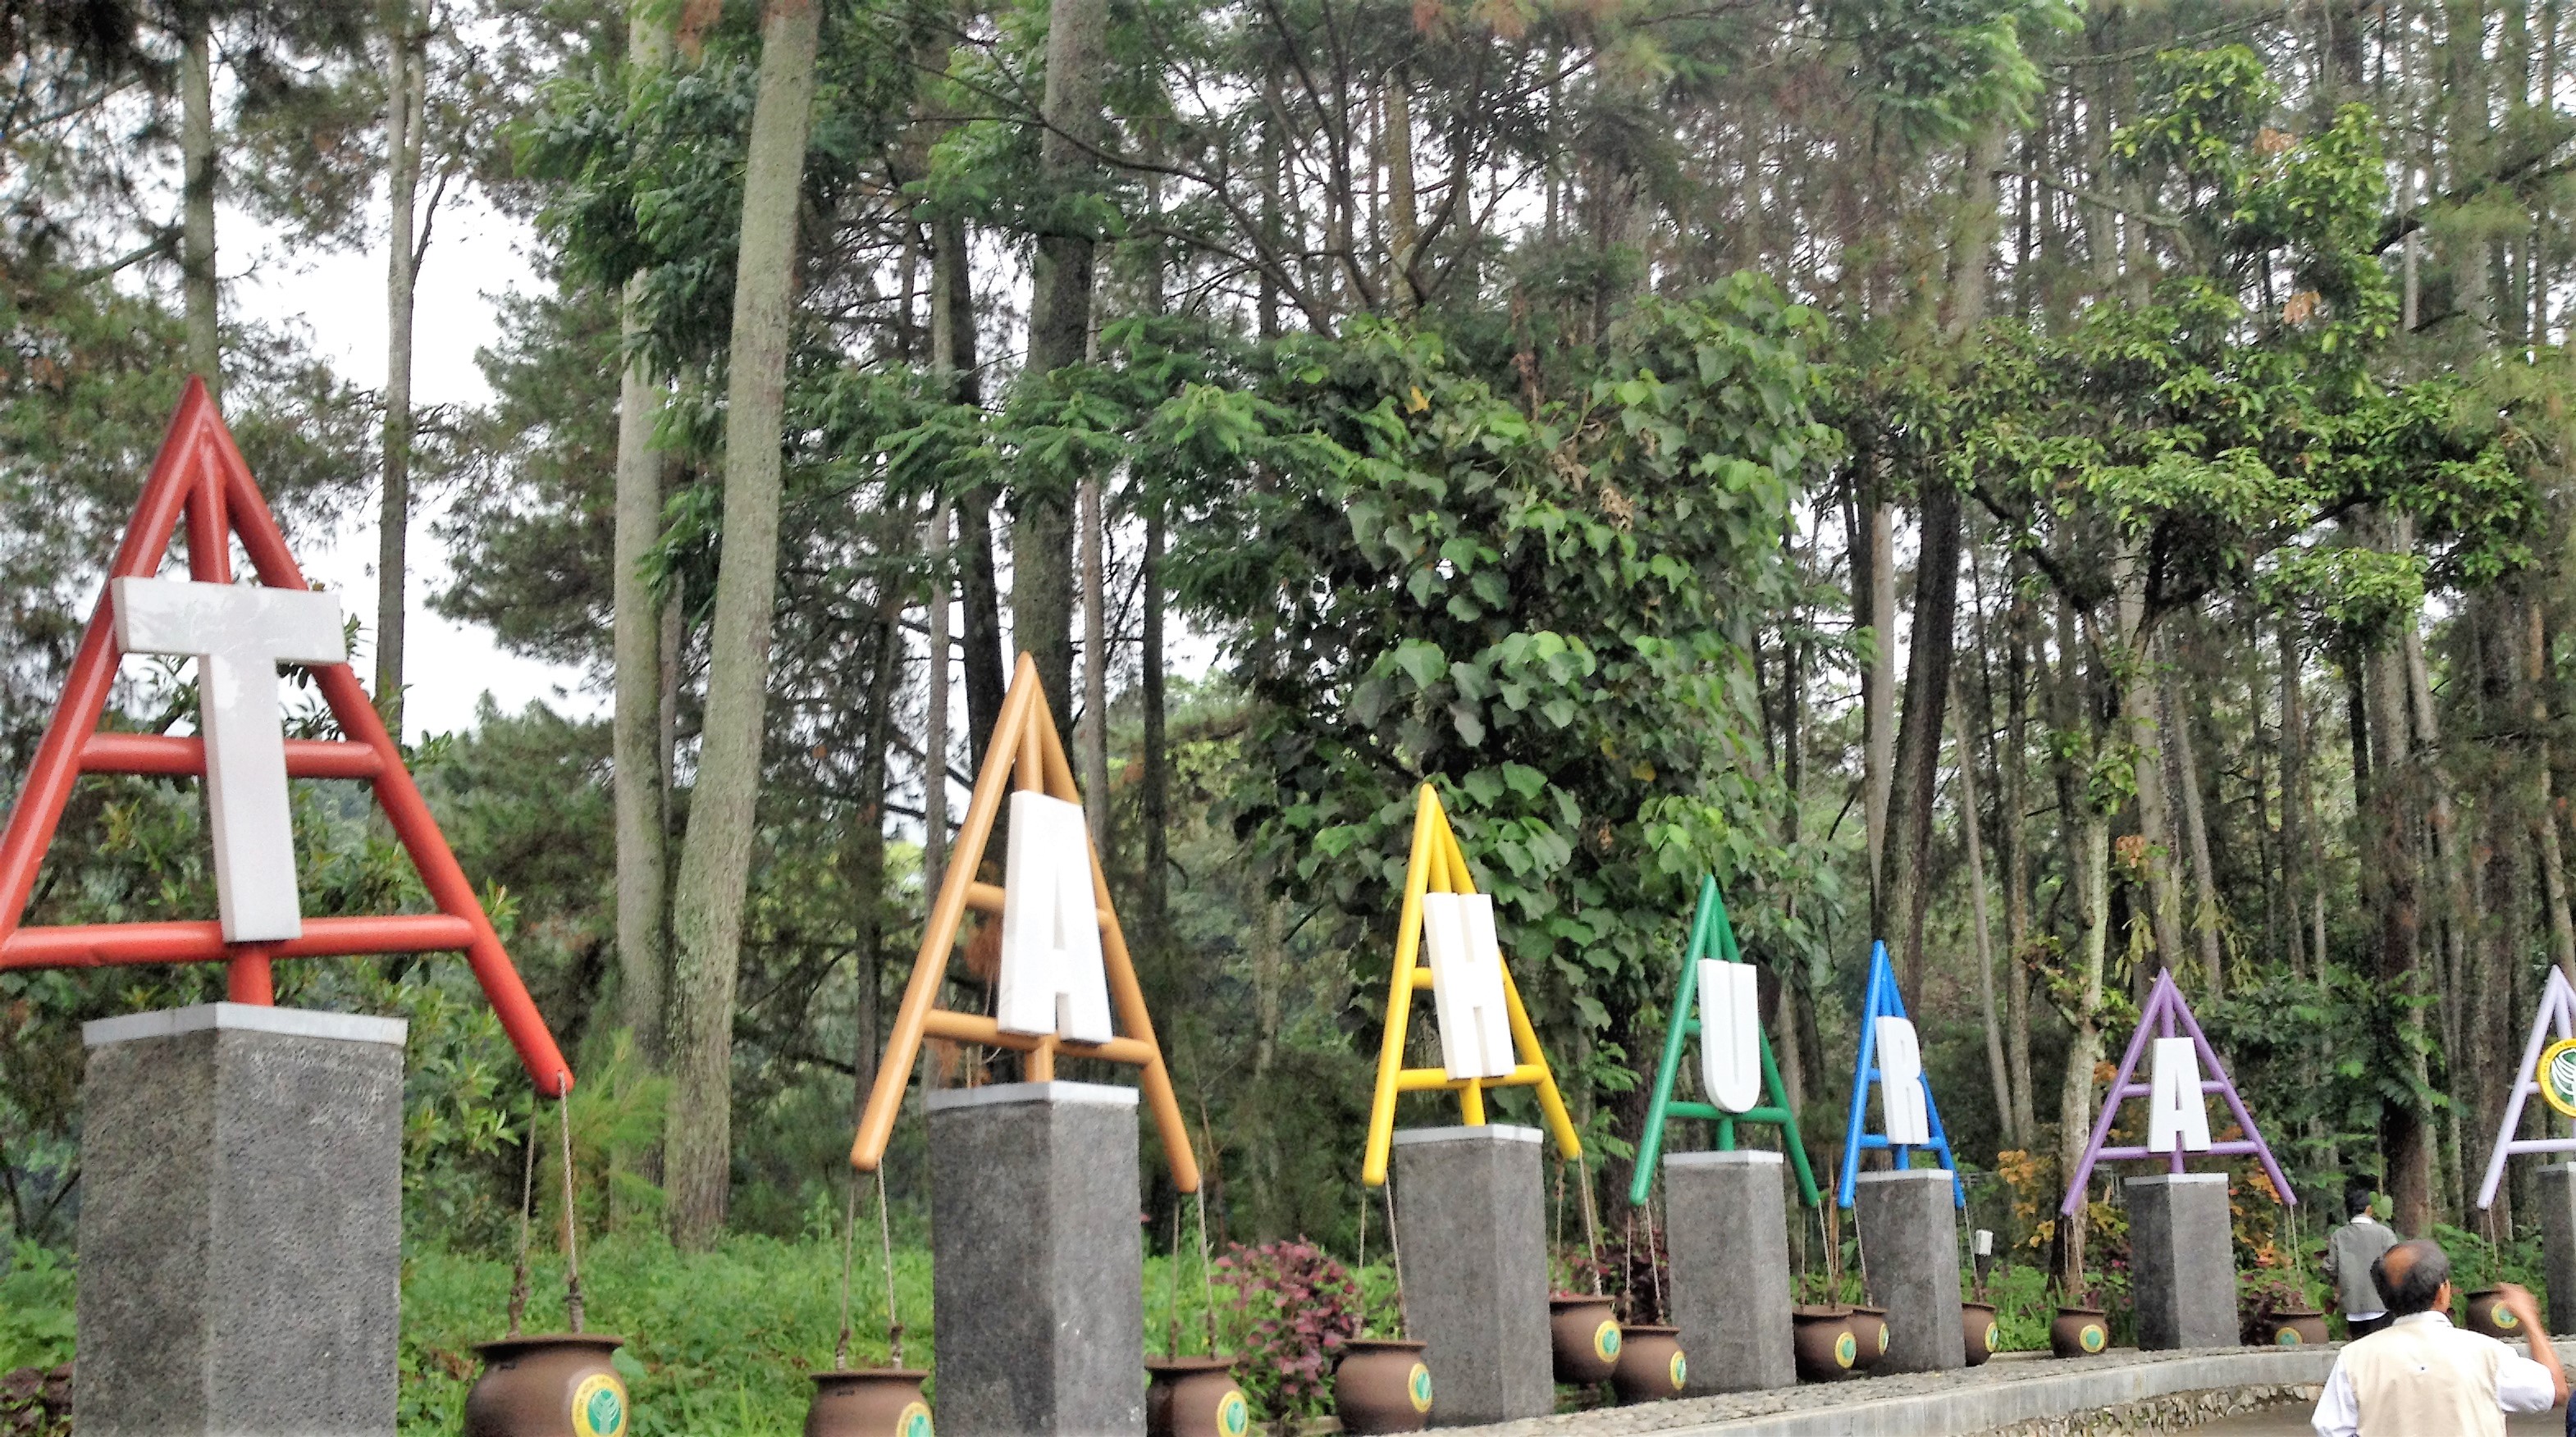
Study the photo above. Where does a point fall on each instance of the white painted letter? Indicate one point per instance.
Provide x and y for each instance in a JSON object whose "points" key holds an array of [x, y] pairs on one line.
{"points": [[1900, 1084], [1052, 980], [2175, 1108], [1467, 985], [238, 635], [1730, 1035]]}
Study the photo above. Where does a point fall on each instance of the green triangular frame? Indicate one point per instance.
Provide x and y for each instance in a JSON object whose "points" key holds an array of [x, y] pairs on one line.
{"points": [[1711, 936]]}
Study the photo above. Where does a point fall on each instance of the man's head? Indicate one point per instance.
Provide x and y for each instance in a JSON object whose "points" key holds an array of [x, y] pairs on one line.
{"points": [[2357, 1199], [2412, 1277]]}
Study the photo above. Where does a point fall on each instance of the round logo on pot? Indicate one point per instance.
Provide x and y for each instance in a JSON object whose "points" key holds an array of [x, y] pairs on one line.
{"points": [[1680, 1371], [599, 1406], [2286, 1336], [1605, 1341], [1846, 1349], [1233, 1415], [1418, 1387], [2095, 1338], [912, 1421], [1994, 1337]]}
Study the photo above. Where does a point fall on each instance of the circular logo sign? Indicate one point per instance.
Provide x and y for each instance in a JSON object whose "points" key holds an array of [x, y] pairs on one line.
{"points": [[1605, 1341], [1846, 1349], [1680, 1372], [914, 1420], [599, 1406], [2286, 1336], [2095, 1338], [2557, 1076], [2502, 1318], [1882, 1339], [1233, 1415], [1418, 1387], [1994, 1338]]}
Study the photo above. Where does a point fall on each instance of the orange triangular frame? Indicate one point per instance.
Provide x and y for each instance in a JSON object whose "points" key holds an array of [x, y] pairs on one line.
{"points": [[200, 476], [1024, 754]]}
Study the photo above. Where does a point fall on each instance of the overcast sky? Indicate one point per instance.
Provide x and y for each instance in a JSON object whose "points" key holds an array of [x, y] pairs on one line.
{"points": [[475, 256]]}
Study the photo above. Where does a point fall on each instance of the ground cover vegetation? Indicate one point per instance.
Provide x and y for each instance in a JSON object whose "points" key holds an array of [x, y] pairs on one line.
{"points": [[2072, 491]]}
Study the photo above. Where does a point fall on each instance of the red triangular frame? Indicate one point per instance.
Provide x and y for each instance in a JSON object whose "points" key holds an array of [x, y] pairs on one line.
{"points": [[200, 475]]}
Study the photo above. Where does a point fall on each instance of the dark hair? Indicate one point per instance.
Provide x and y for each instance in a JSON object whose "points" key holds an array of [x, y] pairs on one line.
{"points": [[2419, 1284], [2357, 1199]]}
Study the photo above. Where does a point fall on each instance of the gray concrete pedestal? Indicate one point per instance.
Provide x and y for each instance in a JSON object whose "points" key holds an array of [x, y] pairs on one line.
{"points": [[2558, 1243], [1725, 1222], [1909, 1237], [1037, 1276], [240, 1224], [1472, 1220], [2182, 1260]]}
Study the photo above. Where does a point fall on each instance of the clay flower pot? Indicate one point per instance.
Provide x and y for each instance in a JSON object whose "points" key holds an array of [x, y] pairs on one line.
{"points": [[1382, 1387], [2297, 1327], [1651, 1365], [1193, 1397], [1977, 1326], [1822, 1337], [2078, 1332], [554, 1385], [2487, 1315], [1869, 1329], [879, 1402], [1585, 1333]]}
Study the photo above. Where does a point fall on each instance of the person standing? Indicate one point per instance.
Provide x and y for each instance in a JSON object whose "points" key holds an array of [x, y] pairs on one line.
{"points": [[2421, 1377], [2350, 1250]]}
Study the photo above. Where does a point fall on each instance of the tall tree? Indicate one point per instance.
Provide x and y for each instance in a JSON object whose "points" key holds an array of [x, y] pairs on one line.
{"points": [[1060, 287], [715, 858], [640, 759]]}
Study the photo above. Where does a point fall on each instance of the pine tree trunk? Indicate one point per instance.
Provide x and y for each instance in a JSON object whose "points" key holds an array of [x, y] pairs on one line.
{"points": [[197, 199], [1908, 863], [2011, 837], [2544, 823], [638, 754], [2195, 822], [934, 727], [1059, 332], [1971, 816], [952, 351], [2390, 867], [406, 98], [1874, 593], [715, 858], [1095, 672], [1403, 227]]}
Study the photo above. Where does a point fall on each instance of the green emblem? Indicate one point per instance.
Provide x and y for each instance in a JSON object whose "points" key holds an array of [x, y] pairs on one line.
{"points": [[1605, 1341], [1419, 1388], [1846, 1349], [2286, 1336], [2095, 1339], [913, 1421], [1234, 1415], [1681, 1372], [1994, 1337]]}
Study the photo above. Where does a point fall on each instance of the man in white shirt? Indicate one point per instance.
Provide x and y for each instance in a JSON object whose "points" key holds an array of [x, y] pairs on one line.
{"points": [[2420, 1376]]}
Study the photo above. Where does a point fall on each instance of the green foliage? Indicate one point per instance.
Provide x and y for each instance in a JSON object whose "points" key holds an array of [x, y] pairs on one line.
{"points": [[35, 1308], [1539, 607]]}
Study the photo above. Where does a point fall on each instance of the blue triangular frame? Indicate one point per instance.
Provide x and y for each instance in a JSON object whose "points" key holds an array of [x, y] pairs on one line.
{"points": [[1882, 1000]]}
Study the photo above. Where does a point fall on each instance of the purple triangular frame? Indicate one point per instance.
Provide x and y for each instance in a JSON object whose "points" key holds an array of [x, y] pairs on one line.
{"points": [[2166, 1011]]}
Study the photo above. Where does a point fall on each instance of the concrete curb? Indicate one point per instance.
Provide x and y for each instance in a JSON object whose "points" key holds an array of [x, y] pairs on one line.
{"points": [[1949, 1404]]}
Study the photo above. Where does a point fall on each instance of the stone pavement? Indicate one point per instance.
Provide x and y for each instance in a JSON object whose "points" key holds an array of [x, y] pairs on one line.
{"points": [[2017, 1393]]}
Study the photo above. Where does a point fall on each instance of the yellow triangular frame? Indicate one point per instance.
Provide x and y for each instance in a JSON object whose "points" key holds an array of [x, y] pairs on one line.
{"points": [[1024, 754], [1438, 865]]}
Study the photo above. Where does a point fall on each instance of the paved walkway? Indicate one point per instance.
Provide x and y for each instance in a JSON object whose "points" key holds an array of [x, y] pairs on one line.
{"points": [[2011, 1389], [2293, 1422]]}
